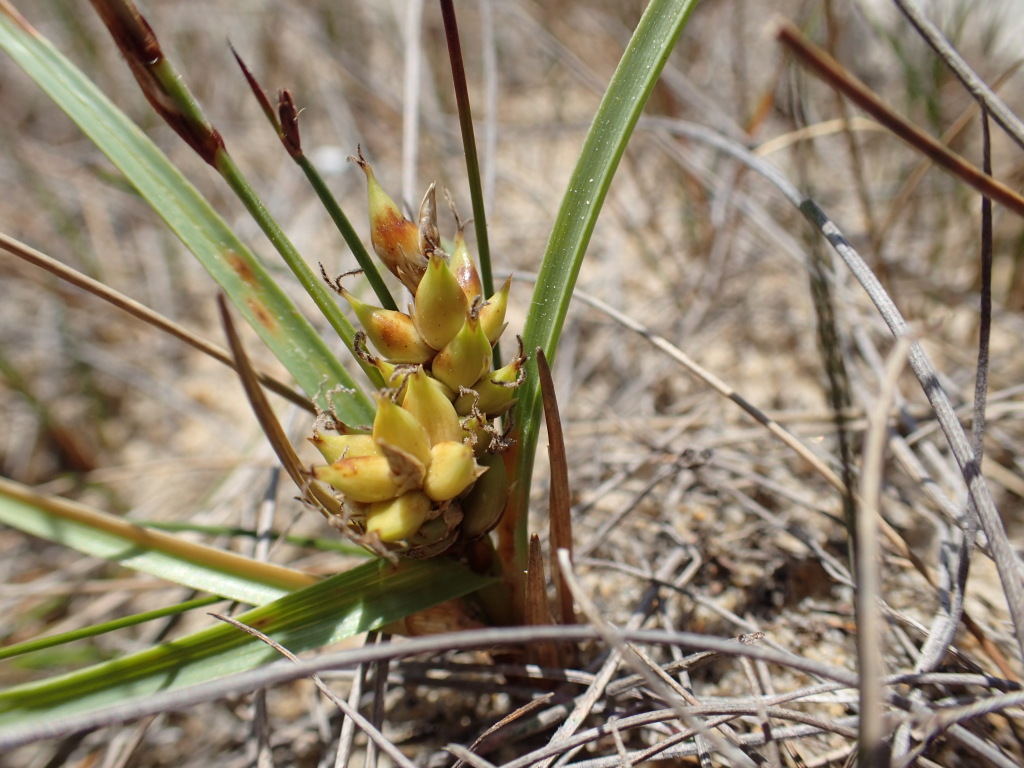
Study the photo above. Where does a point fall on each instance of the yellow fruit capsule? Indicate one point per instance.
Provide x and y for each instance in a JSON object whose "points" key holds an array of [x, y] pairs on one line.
{"points": [[495, 393], [400, 518], [425, 400], [464, 270], [440, 308], [492, 314], [396, 240], [464, 359], [393, 333], [366, 478], [483, 505], [452, 469], [396, 428], [334, 447]]}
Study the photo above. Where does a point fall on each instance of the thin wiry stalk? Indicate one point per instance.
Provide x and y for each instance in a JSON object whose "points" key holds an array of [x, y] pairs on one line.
{"points": [[310, 489], [352, 713], [481, 638], [461, 86], [871, 740], [286, 123], [838, 391], [144, 313], [51, 641], [977, 87], [985, 309], [1006, 561], [488, 43], [939, 641], [838, 77]]}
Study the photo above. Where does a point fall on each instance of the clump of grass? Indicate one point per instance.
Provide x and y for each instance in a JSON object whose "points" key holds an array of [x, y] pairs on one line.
{"points": [[721, 610]]}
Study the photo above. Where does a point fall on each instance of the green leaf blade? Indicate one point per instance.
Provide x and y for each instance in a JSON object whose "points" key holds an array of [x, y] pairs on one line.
{"points": [[103, 535], [616, 117], [364, 598], [265, 306]]}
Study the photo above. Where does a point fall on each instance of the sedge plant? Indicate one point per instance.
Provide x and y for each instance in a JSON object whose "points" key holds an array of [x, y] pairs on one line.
{"points": [[427, 460]]}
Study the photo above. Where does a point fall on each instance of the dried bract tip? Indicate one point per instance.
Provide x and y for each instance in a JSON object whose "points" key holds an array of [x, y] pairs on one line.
{"points": [[289, 128], [429, 236]]}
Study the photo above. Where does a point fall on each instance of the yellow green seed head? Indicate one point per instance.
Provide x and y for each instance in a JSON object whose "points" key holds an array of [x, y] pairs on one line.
{"points": [[426, 401], [366, 478], [396, 240], [334, 447], [392, 333], [431, 473], [452, 470], [492, 314], [399, 518], [464, 269], [465, 358], [440, 305], [397, 429]]}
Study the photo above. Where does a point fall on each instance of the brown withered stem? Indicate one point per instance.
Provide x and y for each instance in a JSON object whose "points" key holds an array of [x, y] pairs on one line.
{"points": [[141, 49], [558, 502], [537, 610], [833, 73]]}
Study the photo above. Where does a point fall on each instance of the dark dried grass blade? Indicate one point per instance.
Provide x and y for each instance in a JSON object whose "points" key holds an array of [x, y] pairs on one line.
{"points": [[272, 428], [559, 506], [832, 72], [538, 610]]}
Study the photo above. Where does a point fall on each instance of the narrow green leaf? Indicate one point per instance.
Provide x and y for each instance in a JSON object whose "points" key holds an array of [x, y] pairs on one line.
{"points": [[612, 126], [51, 641], [245, 280], [365, 598], [102, 535]]}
